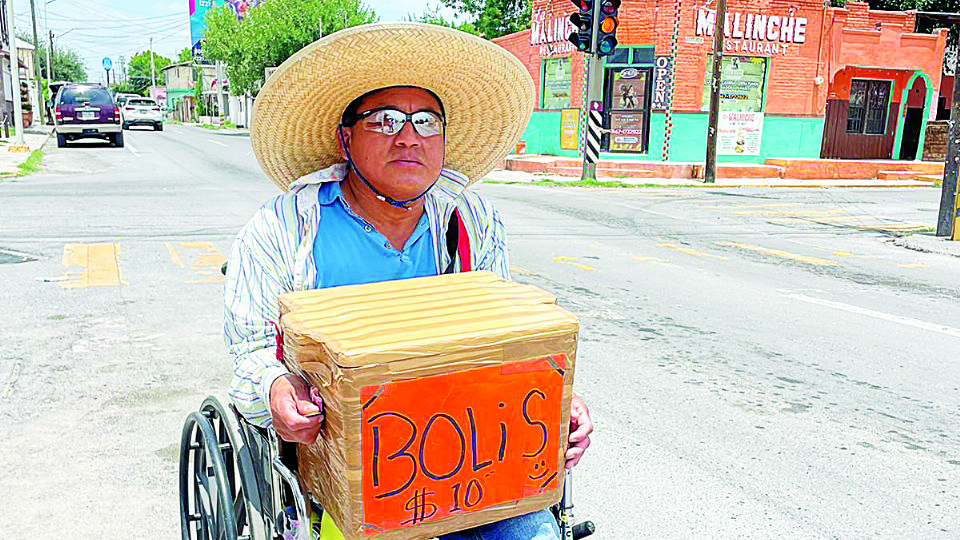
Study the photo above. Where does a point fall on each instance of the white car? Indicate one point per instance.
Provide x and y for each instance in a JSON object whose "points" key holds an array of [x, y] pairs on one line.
{"points": [[142, 111]]}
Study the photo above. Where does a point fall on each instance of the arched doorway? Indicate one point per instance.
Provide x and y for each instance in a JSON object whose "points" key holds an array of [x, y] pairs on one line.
{"points": [[913, 120]]}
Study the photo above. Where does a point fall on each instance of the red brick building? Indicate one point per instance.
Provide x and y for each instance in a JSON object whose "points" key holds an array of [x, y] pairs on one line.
{"points": [[800, 79]]}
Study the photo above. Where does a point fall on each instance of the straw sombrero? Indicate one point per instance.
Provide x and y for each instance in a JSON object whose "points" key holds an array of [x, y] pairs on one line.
{"points": [[487, 93]]}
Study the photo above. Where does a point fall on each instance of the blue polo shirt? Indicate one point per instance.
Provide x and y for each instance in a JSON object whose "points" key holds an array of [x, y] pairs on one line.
{"points": [[348, 250]]}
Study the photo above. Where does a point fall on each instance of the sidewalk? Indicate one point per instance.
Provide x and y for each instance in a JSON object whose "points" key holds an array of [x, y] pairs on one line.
{"points": [[929, 243], [505, 176], [242, 132], [35, 137], [774, 172]]}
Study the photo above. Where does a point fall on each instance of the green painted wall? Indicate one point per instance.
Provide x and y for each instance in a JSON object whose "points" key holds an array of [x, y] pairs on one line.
{"points": [[542, 135], [782, 137], [175, 94]]}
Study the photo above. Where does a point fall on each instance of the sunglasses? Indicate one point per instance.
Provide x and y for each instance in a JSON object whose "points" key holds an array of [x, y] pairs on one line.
{"points": [[390, 121]]}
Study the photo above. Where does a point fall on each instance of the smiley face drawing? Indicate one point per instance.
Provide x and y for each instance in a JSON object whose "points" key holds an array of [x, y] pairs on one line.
{"points": [[541, 473], [539, 470]]}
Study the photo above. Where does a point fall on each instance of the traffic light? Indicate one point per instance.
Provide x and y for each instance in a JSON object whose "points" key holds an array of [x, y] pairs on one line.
{"points": [[606, 33], [583, 23]]}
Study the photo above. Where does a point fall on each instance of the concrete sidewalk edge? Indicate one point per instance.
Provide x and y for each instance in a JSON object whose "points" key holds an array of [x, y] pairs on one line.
{"points": [[504, 176], [9, 162], [929, 243]]}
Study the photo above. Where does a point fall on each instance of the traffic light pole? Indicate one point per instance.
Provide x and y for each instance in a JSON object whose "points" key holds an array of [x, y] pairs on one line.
{"points": [[594, 94], [710, 168]]}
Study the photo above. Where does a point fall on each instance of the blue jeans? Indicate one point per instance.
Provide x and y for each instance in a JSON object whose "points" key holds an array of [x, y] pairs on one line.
{"points": [[534, 526]]}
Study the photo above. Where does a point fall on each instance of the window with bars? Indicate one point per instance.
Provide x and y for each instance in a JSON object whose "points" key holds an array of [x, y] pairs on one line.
{"points": [[867, 111]]}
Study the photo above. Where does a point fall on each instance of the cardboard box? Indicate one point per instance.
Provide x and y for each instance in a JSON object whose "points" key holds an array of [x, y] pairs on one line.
{"points": [[447, 401]]}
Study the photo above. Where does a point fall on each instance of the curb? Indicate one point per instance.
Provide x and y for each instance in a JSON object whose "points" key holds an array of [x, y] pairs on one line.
{"points": [[653, 185]]}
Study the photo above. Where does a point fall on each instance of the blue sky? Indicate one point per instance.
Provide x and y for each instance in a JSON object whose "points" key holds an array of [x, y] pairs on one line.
{"points": [[115, 28]]}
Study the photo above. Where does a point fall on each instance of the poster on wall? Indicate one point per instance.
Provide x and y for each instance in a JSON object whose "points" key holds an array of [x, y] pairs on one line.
{"points": [[569, 129], [739, 133], [557, 78], [629, 89], [627, 131], [742, 80]]}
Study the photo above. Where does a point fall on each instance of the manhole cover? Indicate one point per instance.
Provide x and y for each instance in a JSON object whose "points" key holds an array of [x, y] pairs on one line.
{"points": [[14, 257]]}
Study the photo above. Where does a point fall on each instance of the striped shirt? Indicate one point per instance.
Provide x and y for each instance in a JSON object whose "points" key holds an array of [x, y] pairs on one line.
{"points": [[274, 253]]}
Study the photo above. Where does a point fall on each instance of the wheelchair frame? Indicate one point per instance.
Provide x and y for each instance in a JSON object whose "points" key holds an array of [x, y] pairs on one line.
{"points": [[235, 479]]}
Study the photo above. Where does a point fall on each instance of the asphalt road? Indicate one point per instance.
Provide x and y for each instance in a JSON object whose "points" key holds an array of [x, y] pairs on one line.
{"points": [[759, 363]]}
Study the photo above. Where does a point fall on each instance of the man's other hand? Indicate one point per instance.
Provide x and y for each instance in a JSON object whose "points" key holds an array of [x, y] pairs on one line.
{"points": [[580, 429], [291, 399]]}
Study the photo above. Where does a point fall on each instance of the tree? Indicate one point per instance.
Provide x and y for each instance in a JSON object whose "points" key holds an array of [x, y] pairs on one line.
{"points": [[186, 55], [271, 33], [67, 63], [431, 15], [494, 18], [140, 74]]}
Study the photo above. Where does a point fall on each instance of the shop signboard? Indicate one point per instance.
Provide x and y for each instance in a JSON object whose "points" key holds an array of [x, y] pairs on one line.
{"points": [[768, 32], [661, 82], [569, 129], [739, 133], [550, 32]]}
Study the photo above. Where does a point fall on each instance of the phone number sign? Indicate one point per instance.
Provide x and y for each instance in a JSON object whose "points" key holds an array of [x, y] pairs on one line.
{"points": [[460, 442]]}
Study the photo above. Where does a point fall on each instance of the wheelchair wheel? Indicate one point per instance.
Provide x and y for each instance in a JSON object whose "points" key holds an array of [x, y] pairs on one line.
{"points": [[213, 505]]}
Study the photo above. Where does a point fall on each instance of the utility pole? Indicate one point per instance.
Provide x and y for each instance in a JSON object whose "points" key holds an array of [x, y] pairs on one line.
{"points": [[153, 68], [710, 170], [220, 103], [947, 222], [18, 143], [36, 52], [49, 63]]}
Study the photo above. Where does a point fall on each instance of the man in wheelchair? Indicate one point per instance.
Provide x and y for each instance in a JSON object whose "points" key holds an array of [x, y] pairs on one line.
{"points": [[374, 134]]}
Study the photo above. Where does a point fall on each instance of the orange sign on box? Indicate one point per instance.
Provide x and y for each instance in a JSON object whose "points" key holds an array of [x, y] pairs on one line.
{"points": [[459, 442]]}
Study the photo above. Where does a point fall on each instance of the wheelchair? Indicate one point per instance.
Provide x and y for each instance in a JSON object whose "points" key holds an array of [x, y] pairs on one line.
{"points": [[239, 481]]}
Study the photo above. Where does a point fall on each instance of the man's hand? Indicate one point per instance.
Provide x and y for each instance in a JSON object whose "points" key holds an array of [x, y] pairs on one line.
{"points": [[580, 429], [291, 399]]}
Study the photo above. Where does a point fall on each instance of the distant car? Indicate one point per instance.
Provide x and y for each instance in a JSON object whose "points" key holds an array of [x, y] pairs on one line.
{"points": [[121, 100], [142, 111], [86, 111]]}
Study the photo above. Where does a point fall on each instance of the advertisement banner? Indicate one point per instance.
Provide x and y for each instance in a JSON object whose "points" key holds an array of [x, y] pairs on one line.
{"points": [[627, 130], [198, 13], [739, 133], [569, 129]]}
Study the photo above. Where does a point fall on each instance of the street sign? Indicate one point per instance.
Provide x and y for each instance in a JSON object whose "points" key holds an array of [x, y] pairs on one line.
{"points": [[107, 64]]}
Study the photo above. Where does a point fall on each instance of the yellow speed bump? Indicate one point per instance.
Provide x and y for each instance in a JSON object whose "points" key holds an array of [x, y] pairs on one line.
{"points": [[816, 261], [99, 265]]}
